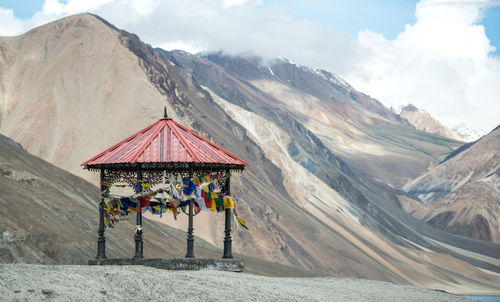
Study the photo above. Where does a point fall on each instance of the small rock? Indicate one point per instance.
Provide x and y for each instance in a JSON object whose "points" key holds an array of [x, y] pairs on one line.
{"points": [[31, 290], [7, 236], [103, 292], [46, 291], [17, 291]]}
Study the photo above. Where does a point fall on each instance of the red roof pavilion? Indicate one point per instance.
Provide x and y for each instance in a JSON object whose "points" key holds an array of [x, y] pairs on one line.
{"points": [[164, 146]]}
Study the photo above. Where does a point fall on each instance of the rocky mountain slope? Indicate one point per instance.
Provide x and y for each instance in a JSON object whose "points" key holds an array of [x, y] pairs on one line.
{"points": [[326, 161], [422, 120], [462, 194], [375, 143], [49, 215]]}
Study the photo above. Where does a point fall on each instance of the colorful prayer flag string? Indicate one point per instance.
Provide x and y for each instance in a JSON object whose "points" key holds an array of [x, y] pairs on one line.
{"points": [[175, 195]]}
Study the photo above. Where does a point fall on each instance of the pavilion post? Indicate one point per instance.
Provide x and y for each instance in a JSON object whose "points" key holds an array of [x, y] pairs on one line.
{"points": [[101, 240], [139, 244], [190, 237], [227, 239]]}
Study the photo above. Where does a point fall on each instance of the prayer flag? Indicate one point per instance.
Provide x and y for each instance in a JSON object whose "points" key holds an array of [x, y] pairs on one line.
{"points": [[213, 205], [242, 222], [228, 202]]}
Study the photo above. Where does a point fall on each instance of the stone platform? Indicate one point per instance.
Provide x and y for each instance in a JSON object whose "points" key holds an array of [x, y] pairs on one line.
{"points": [[231, 265]]}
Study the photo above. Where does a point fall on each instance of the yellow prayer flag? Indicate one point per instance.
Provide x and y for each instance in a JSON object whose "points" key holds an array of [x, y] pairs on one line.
{"points": [[227, 202], [213, 206], [242, 222]]}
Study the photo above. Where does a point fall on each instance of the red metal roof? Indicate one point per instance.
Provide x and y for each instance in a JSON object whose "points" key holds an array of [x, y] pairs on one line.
{"points": [[165, 141]]}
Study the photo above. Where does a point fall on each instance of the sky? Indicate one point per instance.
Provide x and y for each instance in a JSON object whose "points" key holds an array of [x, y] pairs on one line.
{"points": [[443, 56]]}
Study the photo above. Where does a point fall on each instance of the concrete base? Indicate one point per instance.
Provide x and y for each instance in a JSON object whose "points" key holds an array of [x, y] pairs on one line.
{"points": [[231, 265]]}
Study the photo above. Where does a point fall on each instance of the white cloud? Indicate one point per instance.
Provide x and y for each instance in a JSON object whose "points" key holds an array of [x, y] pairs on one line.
{"points": [[442, 63], [235, 27], [73, 6], [229, 3], [9, 25], [190, 47]]}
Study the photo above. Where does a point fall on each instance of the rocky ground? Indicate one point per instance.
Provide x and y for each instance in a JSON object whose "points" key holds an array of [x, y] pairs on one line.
{"points": [[28, 282]]}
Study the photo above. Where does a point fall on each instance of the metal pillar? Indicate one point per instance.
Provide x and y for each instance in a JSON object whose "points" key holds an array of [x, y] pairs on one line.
{"points": [[227, 239], [139, 244], [101, 240], [190, 237]]}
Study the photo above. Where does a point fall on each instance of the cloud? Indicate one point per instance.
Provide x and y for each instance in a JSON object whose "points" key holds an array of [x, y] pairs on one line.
{"points": [[442, 63], [9, 25], [229, 3], [188, 46], [236, 27], [72, 6]]}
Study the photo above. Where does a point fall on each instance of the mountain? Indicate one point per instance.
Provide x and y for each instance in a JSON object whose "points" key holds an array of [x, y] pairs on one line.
{"points": [[462, 194], [326, 161], [422, 120], [355, 128]]}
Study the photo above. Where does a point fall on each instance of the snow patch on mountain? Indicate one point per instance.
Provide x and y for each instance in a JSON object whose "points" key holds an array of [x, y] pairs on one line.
{"points": [[422, 120], [271, 71], [326, 75], [329, 76], [467, 133]]}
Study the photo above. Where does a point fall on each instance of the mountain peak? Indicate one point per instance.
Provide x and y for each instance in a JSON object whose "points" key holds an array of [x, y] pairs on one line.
{"points": [[409, 108], [423, 121], [82, 18], [86, 21]]}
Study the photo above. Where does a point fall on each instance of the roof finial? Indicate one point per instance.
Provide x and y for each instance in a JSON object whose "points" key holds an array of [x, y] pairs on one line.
{"points": [[165, 116]]}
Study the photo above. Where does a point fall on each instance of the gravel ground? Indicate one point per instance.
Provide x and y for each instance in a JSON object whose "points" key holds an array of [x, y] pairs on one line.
{"points": [[26, 282]]}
